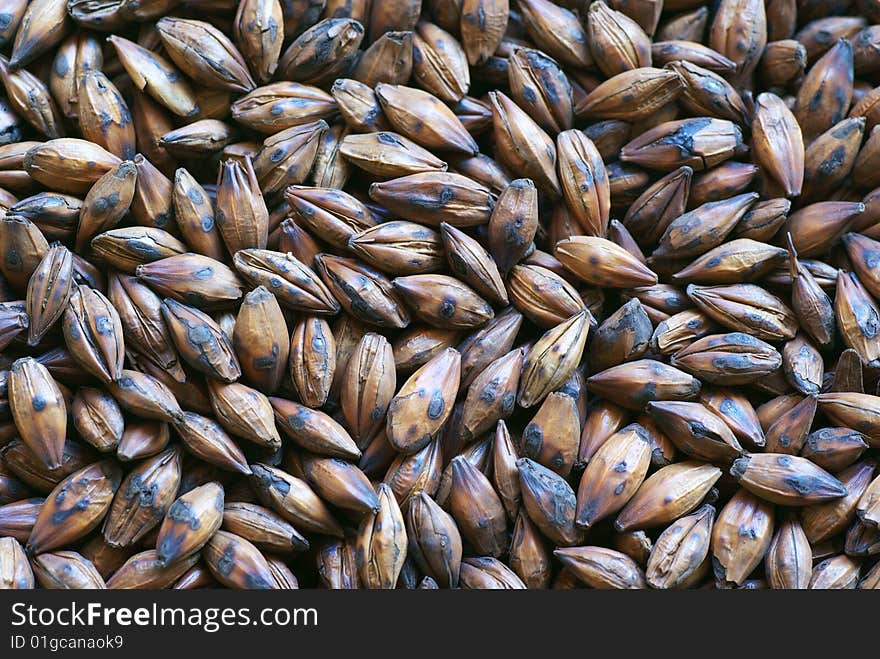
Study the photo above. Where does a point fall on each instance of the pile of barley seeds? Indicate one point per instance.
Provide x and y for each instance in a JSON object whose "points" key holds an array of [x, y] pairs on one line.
{"points": [[439, 294]]}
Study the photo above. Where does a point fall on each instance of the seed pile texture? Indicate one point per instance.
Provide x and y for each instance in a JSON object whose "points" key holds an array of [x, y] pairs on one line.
{"points": [[440, 294]]}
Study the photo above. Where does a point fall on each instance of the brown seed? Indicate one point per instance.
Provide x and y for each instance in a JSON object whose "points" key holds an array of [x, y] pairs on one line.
{"points": [[146, 571], [143, 499], [68, 164], [741, 537], [634, 384], [695, 430], [600, 262], [443, 301], [195, 279], [728, 359], [830, 158], [332, 214], [786, 480], [473, 264], [258, 31], [683, 49], [200, 342], [313, 430], [408, 475], [491, 397], [293, 239], [424, 119], [292, 283], [613, 475], [549, 502], [154, 75], [603, 568], [542, 296], [382, 543], [538, 85], [104, 118], [337, 566], [266, 529], [622, 337], [32, 100], [529, 558], [287, 157], [557, 31], [522, 145], [281, 105], [399, 247], [700, 143], [38, 409], [244, 412], [236, 563], [126, 248], [584, 182], [341, 484], [17, 518], [513, 223], [857, 317], [477, 509], [648, 216], [241, 213], [834, 449], [803, 365], [837, 573], [189, 523], [738, 260], [15, 571], [739, 32], [434, 540], [200, 138], [825, 520], [205, 54], [359, 106], [66, 570], [312, 360], [207, 440], [788, 562], [603, 419], [552, 359], [705, 227], [632, 95], [680, 550], [97, 418], [106, 203], [388, 155], [552, 437], [746, 308], [736, 411], [293, 499], [668, 494], [435, 197], [424, 402], [75, 507], [30, 469], [809, 302], [824, 96], [487, 573], [48, 291], [616, 41], [260, 340], [390, 59], [783, 62], [368, 387], [868, 505], [140, 315]]}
